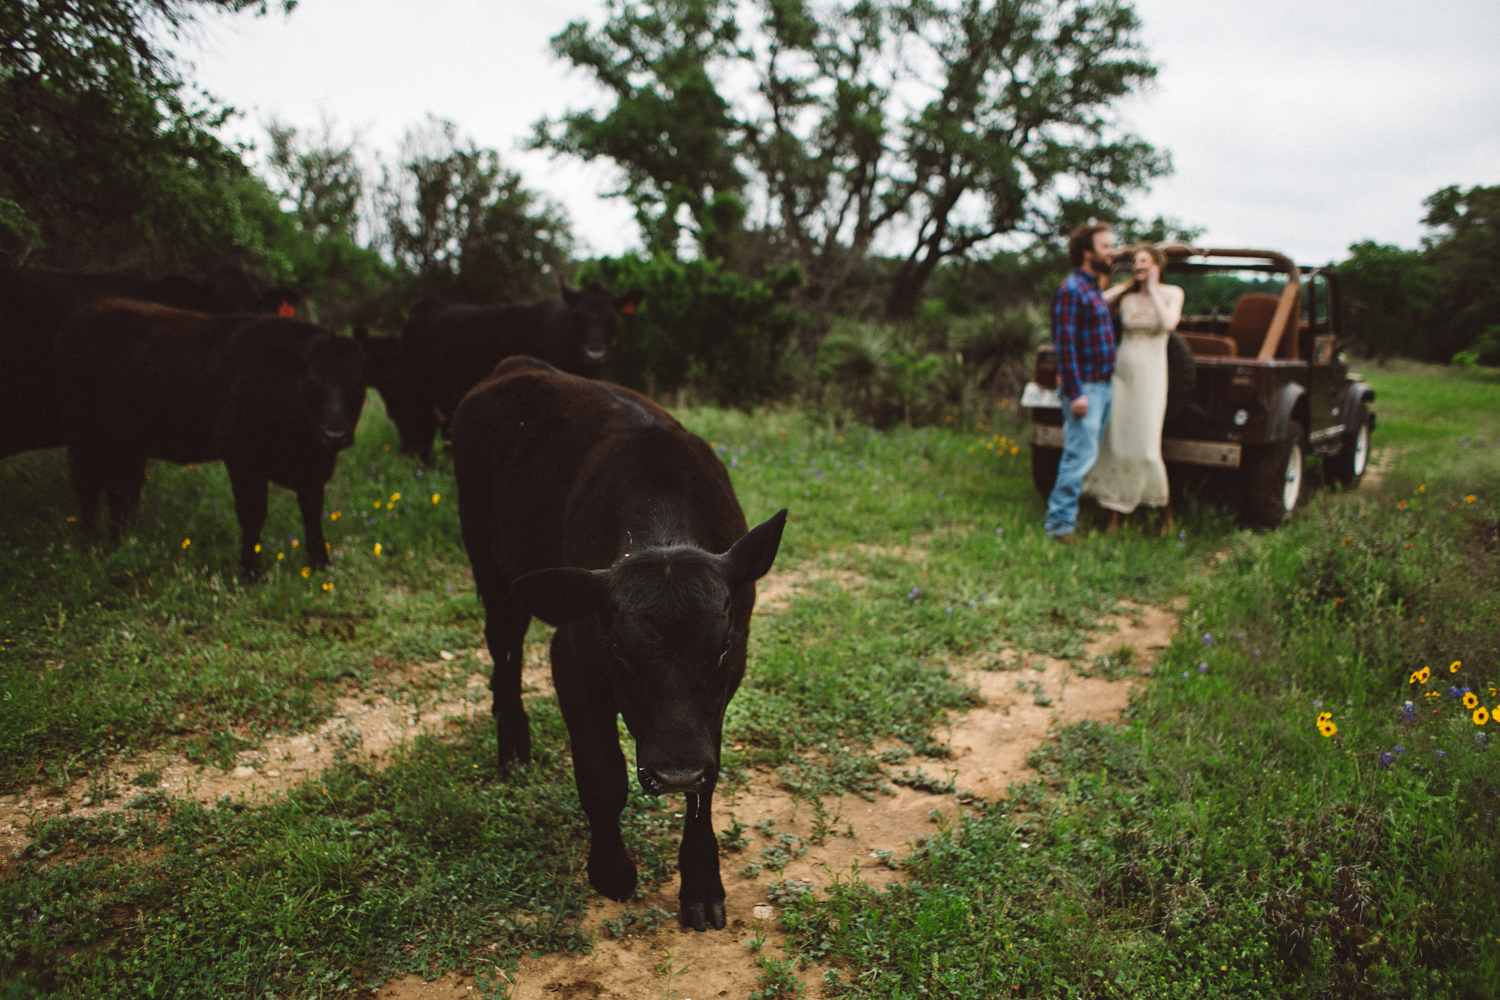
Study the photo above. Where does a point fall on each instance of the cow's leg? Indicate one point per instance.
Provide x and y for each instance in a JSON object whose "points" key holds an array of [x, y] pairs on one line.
{"points": [[700, 901], [598, 770], [310, 502], [88, 473], [126, 478], [250, 504], [505, 634]]}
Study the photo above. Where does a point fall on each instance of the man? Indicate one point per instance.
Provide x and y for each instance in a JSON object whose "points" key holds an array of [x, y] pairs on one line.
{"points": [[1084, 335]]}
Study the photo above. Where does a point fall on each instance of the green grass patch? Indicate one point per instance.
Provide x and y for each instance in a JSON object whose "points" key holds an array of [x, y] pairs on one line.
{"points": [[1217, 845]]}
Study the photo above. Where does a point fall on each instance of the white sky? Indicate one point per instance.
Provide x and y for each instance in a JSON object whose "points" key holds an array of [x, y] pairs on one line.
{"points": [[1294, 126]]}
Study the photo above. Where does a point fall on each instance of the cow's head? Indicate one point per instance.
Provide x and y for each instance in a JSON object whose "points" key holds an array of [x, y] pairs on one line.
{"points": [[591, 312], [671, 642], [333, 387]]}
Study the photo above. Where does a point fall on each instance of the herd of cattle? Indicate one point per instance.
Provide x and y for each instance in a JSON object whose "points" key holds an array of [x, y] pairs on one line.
{"points": [[580, 502]]}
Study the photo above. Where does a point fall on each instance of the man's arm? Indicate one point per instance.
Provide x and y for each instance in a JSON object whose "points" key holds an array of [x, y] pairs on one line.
{"points": [[1067, 308]]}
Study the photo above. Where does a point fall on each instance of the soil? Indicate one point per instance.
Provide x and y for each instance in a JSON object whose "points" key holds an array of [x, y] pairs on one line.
{"points": [[1018, 697]]}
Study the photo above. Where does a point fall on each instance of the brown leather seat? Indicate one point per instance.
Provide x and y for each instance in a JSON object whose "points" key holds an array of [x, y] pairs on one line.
{"points": [[1251, 319], [1208, 345]]}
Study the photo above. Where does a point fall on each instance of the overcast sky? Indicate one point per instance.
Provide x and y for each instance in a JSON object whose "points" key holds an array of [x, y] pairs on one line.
{"points": [[1295, 126]]}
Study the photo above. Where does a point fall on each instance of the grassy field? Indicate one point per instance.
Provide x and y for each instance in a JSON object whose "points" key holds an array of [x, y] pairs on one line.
{"points": [[1216, 845]]}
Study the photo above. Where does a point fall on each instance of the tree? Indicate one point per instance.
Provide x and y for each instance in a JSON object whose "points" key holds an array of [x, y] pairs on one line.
{"points": [[1010, 129], [1397, 287], [1464, 254], [669, 129], [459, 224], [105, 158]]}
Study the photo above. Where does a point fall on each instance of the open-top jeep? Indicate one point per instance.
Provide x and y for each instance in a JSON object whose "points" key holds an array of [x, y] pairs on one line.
{"points": [[1254, 385]]}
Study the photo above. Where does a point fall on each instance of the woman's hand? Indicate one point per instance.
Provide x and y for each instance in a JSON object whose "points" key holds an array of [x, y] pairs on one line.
{"points": [[1153, 278]]}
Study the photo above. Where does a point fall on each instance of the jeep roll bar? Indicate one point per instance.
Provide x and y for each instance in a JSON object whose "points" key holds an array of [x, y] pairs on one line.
{"points": [[1286, 308]]}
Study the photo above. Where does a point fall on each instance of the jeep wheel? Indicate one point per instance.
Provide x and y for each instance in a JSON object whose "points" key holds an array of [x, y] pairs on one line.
{"points": [[1044, 463], [1348, 466], [1273, 479]]}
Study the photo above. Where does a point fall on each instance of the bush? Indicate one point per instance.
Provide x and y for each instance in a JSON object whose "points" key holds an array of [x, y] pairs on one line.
{"points": [[701, 328]]}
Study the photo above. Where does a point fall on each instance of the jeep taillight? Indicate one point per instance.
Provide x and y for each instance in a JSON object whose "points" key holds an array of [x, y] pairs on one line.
{"points": [[1242, 388]]}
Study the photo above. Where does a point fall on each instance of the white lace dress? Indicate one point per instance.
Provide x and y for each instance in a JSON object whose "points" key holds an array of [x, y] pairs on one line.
{"points": [[1130, 472]]}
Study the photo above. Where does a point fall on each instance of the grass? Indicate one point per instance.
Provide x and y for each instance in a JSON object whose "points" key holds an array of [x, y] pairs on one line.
{"points": [[1217, 845]]}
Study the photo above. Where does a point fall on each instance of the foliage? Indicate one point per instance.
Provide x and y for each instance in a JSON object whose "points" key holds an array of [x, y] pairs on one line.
{"points": [[1015, 96], [1397, 286], [315, 227], [1464, 254], [106, 159], [700, 326], [460, 225]]}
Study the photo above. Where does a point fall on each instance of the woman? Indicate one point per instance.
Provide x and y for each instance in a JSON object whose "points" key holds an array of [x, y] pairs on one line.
{"points": [[1130, 472]]}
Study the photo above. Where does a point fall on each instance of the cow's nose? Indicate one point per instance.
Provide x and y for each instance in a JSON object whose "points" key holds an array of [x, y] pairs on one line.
{"points": [[662, 781], [594, 355]]}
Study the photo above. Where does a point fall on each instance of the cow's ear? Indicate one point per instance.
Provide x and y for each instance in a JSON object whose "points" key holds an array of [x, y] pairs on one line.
{"points": [[626, 303], [751, 557], [559, 596]]}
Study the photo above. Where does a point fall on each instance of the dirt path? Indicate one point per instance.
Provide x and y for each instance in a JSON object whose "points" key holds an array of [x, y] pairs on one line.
{"points": [[989, 745]]}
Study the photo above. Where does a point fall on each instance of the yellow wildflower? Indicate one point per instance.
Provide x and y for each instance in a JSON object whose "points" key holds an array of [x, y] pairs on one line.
{"points": [[436, 497], [1453, 667], [335, 515], [327, 586], [1014, 450], [1327, 729], [1422, 488], [395, 497], [186, 542], [1481, 715], [294, 543], [306, 572], [1324, 717], [1420, 676], [1471, 700], [257, 548], [377, 504], [386, 448], [72, 519], [1470, 498], [280, 556], [377, 548]]}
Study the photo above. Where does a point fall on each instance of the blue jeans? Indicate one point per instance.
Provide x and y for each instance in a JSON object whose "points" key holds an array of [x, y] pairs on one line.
{"points": [[1081, 437]]}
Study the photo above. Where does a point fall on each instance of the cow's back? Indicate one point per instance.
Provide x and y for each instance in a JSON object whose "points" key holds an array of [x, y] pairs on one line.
{"points": [[548, 463], [172, 383]]}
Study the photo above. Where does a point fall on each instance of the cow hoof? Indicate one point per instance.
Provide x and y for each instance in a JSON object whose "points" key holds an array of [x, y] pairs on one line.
{"points": [[702, 916], [613, 880]]}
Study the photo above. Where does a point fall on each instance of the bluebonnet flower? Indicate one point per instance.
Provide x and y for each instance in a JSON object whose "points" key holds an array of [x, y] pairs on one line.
{"points": [[1386, 760], [1241, 635], [999, 530], [1182, 536], [1439, 754], [1408, 714], [973, 604], [1317, 703], [1454, 693], [1399, 750], [1203, 669], [1257, 654], [948, 612], [914, 593], [1208, 638], [1481, 742], [1184, 675]]}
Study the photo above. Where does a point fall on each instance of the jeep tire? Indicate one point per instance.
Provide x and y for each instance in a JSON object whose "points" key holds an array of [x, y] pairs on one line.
{"points": [[1273, 478], [1044, 463], [1348, 466]]}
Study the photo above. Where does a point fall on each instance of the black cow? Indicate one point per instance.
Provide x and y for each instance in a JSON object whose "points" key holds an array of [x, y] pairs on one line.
{"points": [[275, 398], [35, 302], [587, 505], [446, 349]]}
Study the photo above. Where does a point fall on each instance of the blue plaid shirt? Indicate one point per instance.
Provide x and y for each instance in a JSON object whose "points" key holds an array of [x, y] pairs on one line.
{"points": [[1083, 333]]}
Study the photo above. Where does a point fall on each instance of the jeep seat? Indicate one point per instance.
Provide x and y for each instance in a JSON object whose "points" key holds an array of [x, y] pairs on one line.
{"points": [[1251, 321], [1208, 345]]}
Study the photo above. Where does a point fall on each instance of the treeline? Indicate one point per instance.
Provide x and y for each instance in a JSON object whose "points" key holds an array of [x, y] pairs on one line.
{"points": [[847, 196], [1440, 302]]}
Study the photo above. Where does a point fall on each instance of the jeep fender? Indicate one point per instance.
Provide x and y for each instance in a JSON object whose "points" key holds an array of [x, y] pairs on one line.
{"points": [[1284, 409], [1359, 394]]}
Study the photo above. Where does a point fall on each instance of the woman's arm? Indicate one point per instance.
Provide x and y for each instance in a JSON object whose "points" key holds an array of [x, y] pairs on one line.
{"points": [[1113, 292], [1166, 299]]}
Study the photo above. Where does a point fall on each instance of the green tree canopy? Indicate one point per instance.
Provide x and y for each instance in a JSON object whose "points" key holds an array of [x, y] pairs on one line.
{"points": [[459, 224], [930, 125], [1464, 253], [106, 157]]}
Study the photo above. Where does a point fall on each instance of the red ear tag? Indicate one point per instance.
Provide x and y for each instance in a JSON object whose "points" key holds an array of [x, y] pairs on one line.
{"points": [[628, 308], [287, 309]]}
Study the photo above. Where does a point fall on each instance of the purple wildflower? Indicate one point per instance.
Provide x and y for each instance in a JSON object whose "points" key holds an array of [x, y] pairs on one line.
{"points": [[1439, 754], [1399, 750], [1386, 760], [1408, 714], [1203, 668], [1208, 638], [914, 593]]}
